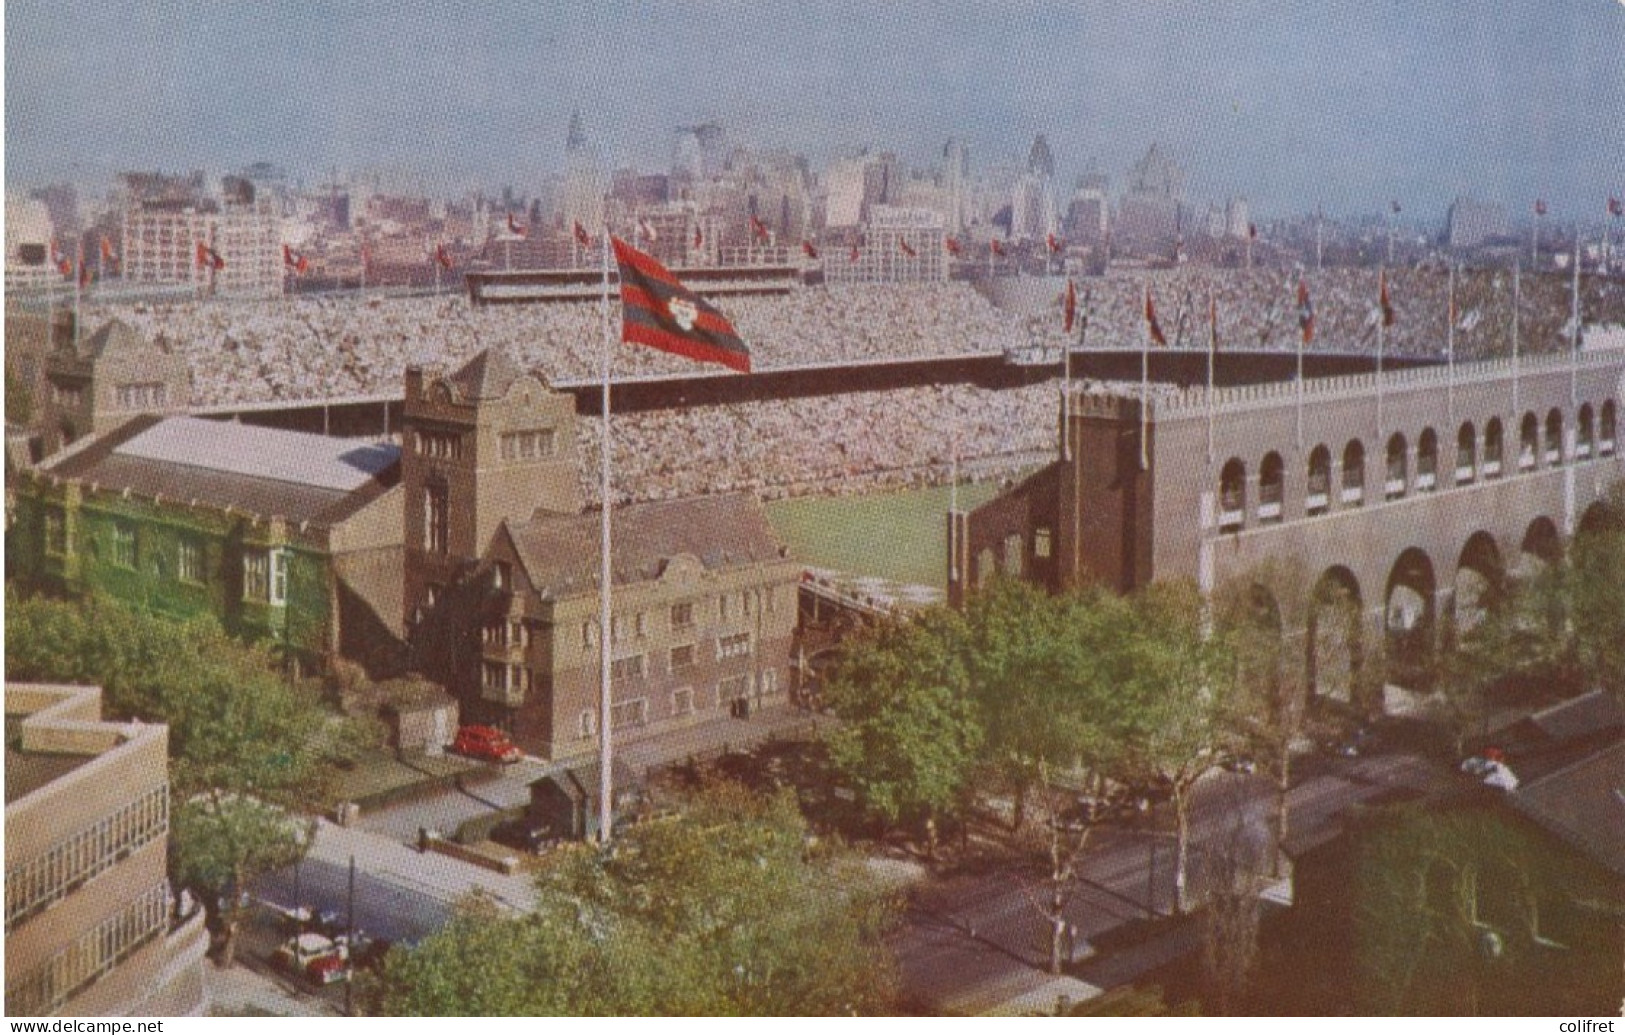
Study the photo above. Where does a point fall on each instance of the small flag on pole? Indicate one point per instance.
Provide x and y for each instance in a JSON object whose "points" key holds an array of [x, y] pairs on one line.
{"points": [[998, 249], [1540, 206], [515, 229], [1252, 231], [576, 228], [1053, 243], [108, 255], [852, 256], [1616, 208], [87, 275], [808, 250], [1151, 325], [1069, 309], [1213, 321], [659, 312], [1383, 300], [1394, 205], [952, 244], [699, 238], [209, 258], [1306, 312], [647, 229], [908, 249], [294, 261], [441, 257], [758, 229]]}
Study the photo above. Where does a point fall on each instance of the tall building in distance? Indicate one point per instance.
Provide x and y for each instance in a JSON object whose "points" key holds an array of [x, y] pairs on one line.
{"points": [[1032, 199], [166, 218], [584, 184], [1148, 214]]}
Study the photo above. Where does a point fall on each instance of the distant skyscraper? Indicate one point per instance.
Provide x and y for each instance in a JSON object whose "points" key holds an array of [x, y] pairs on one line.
{"points": [[583, 181], [956, 181], [1039, 160], [1474, 222], [1148, 215]]}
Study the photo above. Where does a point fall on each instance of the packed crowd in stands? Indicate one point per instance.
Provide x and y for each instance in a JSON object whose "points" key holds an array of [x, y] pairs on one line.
{"points": [[244, 352], [326, 347], [845, 443], [1258, 309]]}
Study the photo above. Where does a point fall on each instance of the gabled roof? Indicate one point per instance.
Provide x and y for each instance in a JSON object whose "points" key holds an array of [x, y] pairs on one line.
{"points": [[560, 551], [115, 336], [488, 375], [1583, 804]]}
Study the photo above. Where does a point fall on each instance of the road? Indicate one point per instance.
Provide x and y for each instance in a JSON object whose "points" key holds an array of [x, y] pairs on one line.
{"points": [[975, 943]]}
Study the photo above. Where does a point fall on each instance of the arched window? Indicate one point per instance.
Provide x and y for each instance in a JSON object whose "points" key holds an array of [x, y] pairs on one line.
{"points": [[1466, 454], [1318, 500], [1586, 432], [1528, 442], [1232, 495], [1271, 482], [1014, 555], [1398, 462], [1427, 461], [1605, 433], [1353, 473], [1493, 448], [1554, 437]]}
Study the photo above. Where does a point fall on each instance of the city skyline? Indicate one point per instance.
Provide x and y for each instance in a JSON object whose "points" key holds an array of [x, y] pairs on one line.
{"points": [[1299, 110]]}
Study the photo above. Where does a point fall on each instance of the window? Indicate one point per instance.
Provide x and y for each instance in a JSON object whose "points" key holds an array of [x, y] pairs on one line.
{"points": [[1398, 467], [682, 658], [1528, 442], [67, 397], [626, 669], [56, 533], [682, 701], [501, 575], [1586, 425], [140, 396], [732, 689], [436, 519], [1271, 485], [431, 595], [1041, 547], [494, 676], [772, 599], [629, 713], [1427, 460], [1466, 454], [682, 615], [589, 632], [189, 560], [279, 577], [1492, 448], [124, 545], [1554, 438], [736, 645], [586, 724], [1318, 499], [440, 445], [769, 682], [722, 607], [257, 576], [1232, 495], [1605, 433], [640, 625], [1354, 473], [527, 445]]}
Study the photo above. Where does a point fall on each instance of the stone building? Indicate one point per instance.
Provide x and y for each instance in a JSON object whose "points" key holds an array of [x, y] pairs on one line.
{"points": [[95, 384], [92, 928]]}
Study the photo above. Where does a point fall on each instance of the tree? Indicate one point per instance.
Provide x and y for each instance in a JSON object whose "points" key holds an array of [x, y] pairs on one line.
{"points": [[726, 909], [1171, 704], [910, 731], [245, 744], [1259, 615]]}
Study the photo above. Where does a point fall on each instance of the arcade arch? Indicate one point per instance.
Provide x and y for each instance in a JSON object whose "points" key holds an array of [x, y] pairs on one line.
{"points": [[1334, 634], [1409, 619]]}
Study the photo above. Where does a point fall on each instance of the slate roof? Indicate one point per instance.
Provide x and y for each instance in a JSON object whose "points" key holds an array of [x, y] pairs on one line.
{"points": [[488, 375], [1583, 805], [560, 552], [261, 471]]}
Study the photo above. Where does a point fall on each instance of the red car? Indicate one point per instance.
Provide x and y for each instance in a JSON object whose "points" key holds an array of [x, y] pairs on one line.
{"points": [[486, 743]]}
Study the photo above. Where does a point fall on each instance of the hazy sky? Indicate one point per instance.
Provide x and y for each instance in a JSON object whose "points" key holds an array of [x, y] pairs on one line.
{"points": [[1294, 104]]}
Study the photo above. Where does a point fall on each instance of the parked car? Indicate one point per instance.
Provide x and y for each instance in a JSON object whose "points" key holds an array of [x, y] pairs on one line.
{"points": [[486, 743], [315, 957]]}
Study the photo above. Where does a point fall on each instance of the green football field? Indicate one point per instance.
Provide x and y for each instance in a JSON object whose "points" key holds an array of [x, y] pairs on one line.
{"points": [[894, 535]]}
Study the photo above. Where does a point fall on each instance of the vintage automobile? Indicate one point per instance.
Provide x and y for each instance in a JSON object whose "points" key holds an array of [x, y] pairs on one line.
{"points": [[315, 957], [486, 743]]}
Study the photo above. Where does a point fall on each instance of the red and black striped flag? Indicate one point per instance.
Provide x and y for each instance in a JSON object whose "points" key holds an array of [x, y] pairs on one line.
{"points": [[759, 229], [808, 250], [1069, 308], [1306, 312], [441, 257], [699, 238], [1053, 243], [1616, 208], [908, 249], [515, 229], [658, 311], [1540, 206], [577, 229], [208, 257], [294, 261], [952, 244], [1386, 304], [998, 249]]}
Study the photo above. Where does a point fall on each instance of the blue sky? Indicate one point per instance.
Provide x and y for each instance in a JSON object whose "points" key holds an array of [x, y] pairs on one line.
{"points": [[1295, 104]]}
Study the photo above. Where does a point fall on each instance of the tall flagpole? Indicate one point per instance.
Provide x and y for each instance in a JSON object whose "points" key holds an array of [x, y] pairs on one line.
{"points": [[1574, 321], [1450, 349], [1517, 278], [1212, 348], [1145, 383], [79, 282], [606, 785], [1382, 280], [1303, 333]]}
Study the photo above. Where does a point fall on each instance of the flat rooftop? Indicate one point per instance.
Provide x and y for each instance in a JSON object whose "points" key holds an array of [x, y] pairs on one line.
{"points": [[27, 772]]}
